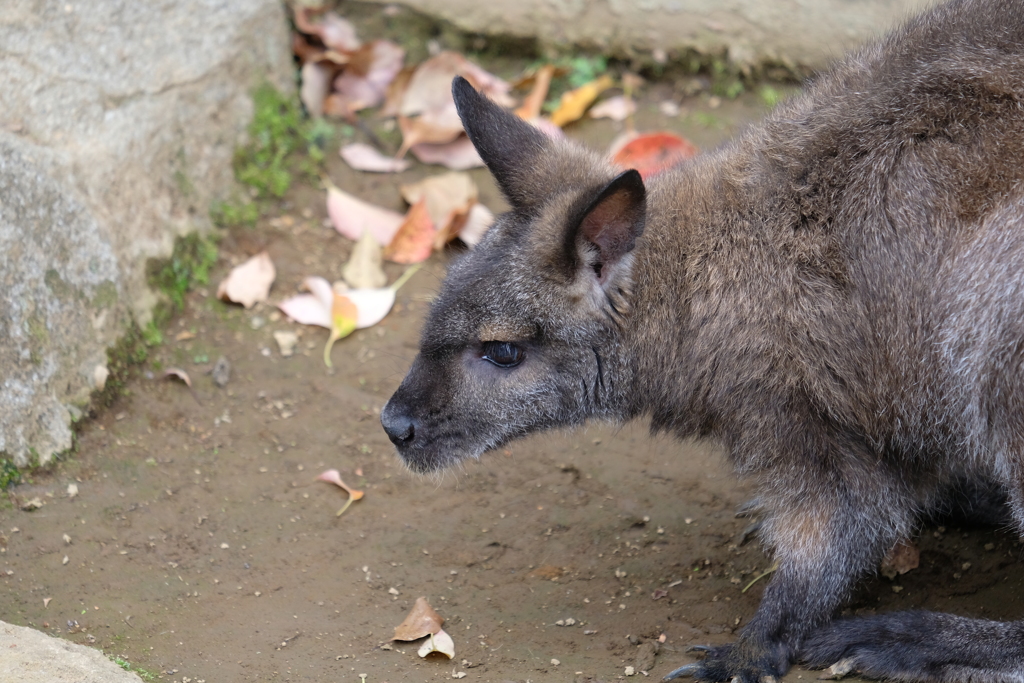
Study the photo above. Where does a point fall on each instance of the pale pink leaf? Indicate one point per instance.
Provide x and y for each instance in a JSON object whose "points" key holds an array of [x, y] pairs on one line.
{"points": [[316, 82], [363, 157], [306, 309], [459, 155], [617, 108], [352, 216], [335, 32], [546, 126], [250, 282], [438, 642], [449, 197], [371, 305], [365, 81], [480, 218]]}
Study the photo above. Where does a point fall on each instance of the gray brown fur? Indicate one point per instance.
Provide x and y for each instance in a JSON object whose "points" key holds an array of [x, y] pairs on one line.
{"points": [[837, 297]]}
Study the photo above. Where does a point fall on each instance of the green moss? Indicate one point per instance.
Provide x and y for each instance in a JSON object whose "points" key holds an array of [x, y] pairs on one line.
{"points": [[105, 296], [9, 473], [129, 352], [188, 266]]}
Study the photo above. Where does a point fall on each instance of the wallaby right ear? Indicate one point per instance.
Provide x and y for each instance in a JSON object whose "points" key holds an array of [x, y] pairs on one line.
{"points": [[507, 144]]}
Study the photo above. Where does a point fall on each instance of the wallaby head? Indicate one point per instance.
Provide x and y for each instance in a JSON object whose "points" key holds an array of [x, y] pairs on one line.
{"points": [[522, 334]]}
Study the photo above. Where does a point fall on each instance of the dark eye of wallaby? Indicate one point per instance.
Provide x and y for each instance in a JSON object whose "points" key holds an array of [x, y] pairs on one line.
{"points": [[503, 354]]}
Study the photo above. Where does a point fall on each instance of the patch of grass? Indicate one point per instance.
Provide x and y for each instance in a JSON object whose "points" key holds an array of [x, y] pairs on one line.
{"points": [[579, 71], [769, 95], [278, 130], [127, 666], [725, 79], [227, 214], [188, 266]]}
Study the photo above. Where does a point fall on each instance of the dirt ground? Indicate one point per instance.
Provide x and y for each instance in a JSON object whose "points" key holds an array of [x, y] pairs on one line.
{"points": [[200, 548]]}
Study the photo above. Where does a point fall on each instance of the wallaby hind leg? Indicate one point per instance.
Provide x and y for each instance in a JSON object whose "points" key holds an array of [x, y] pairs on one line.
{"points": [[930, 646], [822, 545], [921, 646]]}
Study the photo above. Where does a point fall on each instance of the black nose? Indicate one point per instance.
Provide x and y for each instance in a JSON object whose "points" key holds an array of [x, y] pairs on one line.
{"points": [[398, 425]]}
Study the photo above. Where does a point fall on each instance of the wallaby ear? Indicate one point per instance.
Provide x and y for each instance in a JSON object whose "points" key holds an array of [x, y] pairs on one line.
{"points": [[611, 223], [507, 144]]}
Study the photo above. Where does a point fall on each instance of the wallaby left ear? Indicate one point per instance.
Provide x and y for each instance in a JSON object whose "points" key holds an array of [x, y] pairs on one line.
{"points": [[611, 222]]}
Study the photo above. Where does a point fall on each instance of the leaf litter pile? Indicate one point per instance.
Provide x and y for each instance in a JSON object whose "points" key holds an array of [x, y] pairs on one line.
{"points": [[343, 75]]}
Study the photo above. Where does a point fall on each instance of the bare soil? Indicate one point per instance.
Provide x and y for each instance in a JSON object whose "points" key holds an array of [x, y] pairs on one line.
{"points": [[200, 548]]}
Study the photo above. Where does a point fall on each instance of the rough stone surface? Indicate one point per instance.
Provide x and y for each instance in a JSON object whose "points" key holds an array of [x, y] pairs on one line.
{"points": [[28, 656], [118, 120], [799, 32]]}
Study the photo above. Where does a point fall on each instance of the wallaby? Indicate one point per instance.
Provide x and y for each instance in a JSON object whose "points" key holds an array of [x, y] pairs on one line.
{"points": [[837, 297]]}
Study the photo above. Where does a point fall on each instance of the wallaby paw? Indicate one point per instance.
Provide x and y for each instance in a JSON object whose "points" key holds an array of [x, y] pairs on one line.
{"points": [[741, 663]]}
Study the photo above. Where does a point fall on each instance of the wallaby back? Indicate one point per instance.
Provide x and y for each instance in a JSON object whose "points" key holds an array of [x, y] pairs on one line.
{"points": [[836, 297]]}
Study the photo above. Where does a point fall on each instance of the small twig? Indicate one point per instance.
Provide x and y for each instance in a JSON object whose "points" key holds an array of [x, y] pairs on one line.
{"points": [[353, 120], [760, 576], [128, 622]]}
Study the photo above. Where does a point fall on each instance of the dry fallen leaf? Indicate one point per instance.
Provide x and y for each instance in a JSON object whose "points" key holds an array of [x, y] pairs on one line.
{"points": [[480, 218], [249, 282], [352, 217], [366, 78], [363, 270], [458, 155], [334, 477], [430, 86], [574, 103], [427, 111], [415, 239], [533, 102], [180, 374], [449, 197], [316, 83], [900, 559], [438, 128], [618, 108], [334, 31], [652, 153], [363, 157], [339, 309], [421, 621], [438, 642]]}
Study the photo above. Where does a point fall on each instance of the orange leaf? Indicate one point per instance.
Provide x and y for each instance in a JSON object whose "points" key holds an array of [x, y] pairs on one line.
{"points": [[334, 477], [415, 238], [421, 621], [575, 102], [653, 153], [535, 100]]}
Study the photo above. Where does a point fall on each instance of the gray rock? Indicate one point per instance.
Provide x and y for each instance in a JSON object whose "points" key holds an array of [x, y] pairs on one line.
{"points": [[748, 31], [28, 656], [118, 121]]}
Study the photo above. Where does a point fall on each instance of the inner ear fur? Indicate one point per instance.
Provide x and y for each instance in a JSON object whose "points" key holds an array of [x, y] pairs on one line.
{"points": [[610, 222], [508, 145]]}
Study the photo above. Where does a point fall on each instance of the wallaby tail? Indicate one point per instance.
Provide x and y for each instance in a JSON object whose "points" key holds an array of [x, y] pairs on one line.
{"points": [[921, 646]]}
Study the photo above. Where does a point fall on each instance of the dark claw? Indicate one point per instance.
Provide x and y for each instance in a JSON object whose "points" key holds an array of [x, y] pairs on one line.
{"points": [[749, 508], [698, 648], [751, 530], [696, 669]]}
